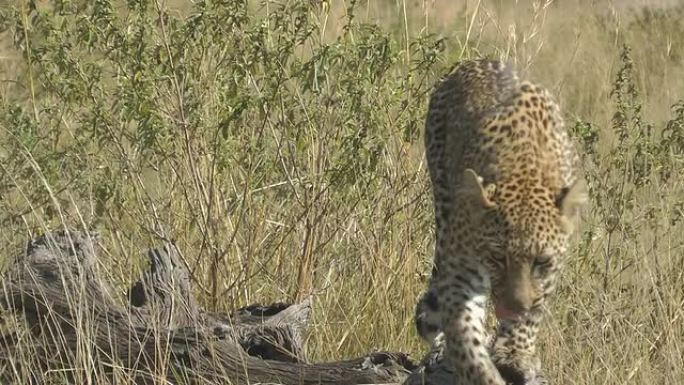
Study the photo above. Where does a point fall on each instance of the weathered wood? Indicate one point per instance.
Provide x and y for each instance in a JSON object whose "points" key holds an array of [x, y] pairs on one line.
{"points": [[274, 332], [56, 288]]}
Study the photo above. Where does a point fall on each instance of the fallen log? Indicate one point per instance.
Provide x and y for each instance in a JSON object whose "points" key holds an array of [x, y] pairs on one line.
{"points": [[162, 335], [274, 332]]}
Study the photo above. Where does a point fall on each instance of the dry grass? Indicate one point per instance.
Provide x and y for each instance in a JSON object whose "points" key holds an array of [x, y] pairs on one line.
{"points": [[280, 183]]}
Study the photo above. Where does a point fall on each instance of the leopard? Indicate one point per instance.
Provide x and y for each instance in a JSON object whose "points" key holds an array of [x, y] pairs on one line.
{"points": [[507, 193]]}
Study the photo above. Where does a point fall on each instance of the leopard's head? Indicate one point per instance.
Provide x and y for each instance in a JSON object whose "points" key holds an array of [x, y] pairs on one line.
{"points": [[524, 229]]}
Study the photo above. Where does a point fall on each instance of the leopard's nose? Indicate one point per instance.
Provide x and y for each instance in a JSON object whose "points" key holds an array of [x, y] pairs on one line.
{"points": [[518, 297], [519, 303]]}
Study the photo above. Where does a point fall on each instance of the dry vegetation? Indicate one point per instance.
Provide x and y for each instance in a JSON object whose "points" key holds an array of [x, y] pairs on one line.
{"points": [[279, 144]]}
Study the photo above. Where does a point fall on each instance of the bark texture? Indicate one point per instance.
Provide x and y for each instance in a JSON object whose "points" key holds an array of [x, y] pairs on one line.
{"points": [[70, 312]]}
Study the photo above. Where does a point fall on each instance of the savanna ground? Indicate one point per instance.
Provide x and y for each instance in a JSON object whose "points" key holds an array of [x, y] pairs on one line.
{"points": [[279, 143]]}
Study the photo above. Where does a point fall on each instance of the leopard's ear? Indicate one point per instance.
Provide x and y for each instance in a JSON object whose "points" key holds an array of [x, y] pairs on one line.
{"points": [[571, 199], [471, 185]]}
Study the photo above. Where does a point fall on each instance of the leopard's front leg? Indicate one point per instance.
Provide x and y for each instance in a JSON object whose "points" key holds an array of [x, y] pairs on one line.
{"points": [[514, 349]]}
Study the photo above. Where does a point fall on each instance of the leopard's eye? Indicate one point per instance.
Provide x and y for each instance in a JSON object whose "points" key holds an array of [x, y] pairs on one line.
{"points": [[541, 262]]}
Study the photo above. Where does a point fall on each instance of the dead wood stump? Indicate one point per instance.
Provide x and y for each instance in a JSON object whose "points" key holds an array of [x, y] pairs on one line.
{"points": [[55, 289]]}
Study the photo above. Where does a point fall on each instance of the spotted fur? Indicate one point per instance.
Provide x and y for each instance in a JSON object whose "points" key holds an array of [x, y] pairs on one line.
{"points": [[506, 189]]}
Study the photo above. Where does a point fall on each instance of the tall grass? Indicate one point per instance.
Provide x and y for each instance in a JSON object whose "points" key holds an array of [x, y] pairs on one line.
{"points": [[279, 144]]}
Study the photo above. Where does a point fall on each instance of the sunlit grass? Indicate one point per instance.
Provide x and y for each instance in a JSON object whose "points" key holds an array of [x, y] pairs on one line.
{"points": [[280, 145]]}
